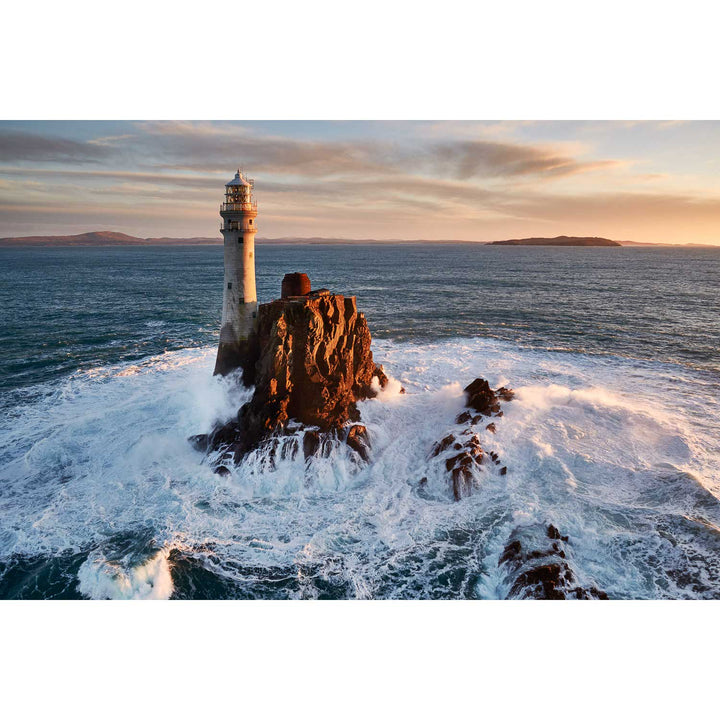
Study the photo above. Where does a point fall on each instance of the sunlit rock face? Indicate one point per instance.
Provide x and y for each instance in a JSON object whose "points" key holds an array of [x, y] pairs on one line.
{"points": [[310, 361]]}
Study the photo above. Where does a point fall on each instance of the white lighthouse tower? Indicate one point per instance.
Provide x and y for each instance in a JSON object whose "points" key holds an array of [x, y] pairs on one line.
{"points": [[239, 217]]}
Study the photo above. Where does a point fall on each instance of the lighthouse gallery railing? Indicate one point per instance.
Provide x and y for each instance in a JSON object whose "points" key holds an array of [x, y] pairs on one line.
{"points": [[238, 207]]}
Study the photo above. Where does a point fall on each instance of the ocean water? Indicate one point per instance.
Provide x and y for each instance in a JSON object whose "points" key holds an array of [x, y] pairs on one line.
{"points": [[106, 368]]}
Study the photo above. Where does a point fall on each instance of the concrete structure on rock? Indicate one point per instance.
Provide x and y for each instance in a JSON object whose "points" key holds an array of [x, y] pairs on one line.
{"points": [[239, 225]]}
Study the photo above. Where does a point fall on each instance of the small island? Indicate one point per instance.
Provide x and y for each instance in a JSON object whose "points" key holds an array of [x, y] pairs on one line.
{"points": [[561, 240]]}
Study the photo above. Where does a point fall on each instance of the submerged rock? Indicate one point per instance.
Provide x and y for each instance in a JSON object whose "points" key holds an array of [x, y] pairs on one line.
{"points": [[538, 567]]}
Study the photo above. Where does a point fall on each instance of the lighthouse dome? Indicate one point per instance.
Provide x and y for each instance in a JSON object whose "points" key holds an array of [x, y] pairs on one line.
{"points": [[238, 180]]}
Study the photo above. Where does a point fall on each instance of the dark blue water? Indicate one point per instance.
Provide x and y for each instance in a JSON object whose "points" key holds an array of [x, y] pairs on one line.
{"points": [[105, 368], [71, 308]]}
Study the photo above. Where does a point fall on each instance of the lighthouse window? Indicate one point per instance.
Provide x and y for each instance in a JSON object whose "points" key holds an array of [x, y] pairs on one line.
{"points": [[229, 286], [251, 221], [240, 239]]}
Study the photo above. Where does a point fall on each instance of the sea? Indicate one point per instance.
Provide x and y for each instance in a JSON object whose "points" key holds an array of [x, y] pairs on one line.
{"points": [[106, 360]]}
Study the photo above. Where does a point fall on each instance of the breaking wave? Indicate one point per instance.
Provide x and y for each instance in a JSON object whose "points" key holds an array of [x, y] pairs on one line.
{"points": [[101, 495]]}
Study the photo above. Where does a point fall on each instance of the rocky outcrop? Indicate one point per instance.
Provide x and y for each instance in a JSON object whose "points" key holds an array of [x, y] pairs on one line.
{"points": [[538, 568], [483, 399], [466, 456], [310, 361], [462, 451]]}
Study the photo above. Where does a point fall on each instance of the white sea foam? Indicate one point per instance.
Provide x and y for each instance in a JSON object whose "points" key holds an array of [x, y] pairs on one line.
{"points": [[101, 579], [621, 455]]}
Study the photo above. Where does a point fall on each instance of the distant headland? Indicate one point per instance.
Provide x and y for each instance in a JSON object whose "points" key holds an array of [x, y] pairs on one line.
{"points": [[562, 240]]}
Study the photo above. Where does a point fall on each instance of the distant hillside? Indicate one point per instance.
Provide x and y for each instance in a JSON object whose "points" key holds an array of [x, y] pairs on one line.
{"points": [[563, 240], [100, 238], [104, 237], [107, 238]]}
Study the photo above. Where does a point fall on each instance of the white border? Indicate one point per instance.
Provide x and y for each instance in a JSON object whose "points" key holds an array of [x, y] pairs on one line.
{"points": [[380, 59], [450, 60]]}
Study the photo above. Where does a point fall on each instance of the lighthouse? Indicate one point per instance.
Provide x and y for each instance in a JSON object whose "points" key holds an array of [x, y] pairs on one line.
{"points": [[239, 218]]}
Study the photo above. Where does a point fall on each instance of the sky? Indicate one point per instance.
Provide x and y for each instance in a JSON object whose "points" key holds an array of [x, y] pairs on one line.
{"points": [[445, 180]]}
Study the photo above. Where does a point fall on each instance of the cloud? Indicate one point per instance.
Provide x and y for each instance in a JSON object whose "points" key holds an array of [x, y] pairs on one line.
{"points": [[167, 178], [19, 146], [471, 159], [205, 147]]}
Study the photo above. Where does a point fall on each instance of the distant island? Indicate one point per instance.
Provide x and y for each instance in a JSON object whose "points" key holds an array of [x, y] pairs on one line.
{"points": [[110, 238], [562, 240]]}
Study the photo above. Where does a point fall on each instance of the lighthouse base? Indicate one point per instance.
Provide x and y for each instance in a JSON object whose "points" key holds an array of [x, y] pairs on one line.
{"points": [[234, 334], [230, 356]]}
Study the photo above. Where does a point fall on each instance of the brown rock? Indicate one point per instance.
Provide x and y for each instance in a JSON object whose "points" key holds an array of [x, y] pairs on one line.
{"points": [[311, 443], [491, 427], [543, 573], [460, 465], [310, 360], [379, 373], [442, 445], [359, 441], [481, 397], [505, 394]]}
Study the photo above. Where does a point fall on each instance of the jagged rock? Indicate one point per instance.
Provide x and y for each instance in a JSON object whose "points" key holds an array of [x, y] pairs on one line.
{"points": [[359, 441], [491, 427], [200, 442], [554, 534], [542, 573], [290, 449], [463, 417], [460, 466], [442, 445], [310, 360], [383, 378], [505, 394], [311, 443], [482, 398], [221, 470]]}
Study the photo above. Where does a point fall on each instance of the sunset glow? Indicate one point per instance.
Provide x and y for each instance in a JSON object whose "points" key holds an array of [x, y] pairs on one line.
{"points": [[479, 181]]}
